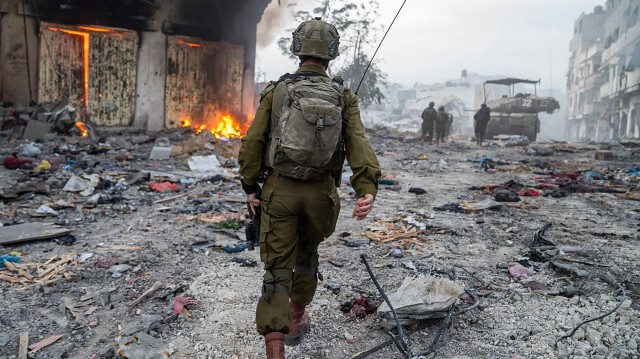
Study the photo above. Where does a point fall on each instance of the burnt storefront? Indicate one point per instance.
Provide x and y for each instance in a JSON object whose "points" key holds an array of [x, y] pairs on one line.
{"points": [[153, 64]]}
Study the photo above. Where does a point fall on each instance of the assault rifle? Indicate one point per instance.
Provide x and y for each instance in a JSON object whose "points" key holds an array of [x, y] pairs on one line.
{"points": [[252, 232]]}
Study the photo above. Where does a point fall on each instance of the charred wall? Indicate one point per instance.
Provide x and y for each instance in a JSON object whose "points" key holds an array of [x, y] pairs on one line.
{"points": [[226, 28]]}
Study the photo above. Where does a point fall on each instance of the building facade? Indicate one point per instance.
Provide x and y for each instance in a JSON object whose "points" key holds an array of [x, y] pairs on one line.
{"points": [[603, 80]]}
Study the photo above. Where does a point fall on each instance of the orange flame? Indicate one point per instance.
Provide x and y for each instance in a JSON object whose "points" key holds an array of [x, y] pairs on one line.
{"points": [[96, 29], [224, 126], [80, 126], [85, 36]]}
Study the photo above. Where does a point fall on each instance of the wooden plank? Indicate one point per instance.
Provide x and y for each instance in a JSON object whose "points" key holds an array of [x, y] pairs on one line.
{"points": [[184, 90], [112, 76], [44, 343], [10, 279], [30, 231], [147, 293], [24, 345], [61, 68]]}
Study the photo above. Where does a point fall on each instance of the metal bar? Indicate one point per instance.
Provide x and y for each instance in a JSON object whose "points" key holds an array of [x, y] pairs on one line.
{"points": [[405, 344]]}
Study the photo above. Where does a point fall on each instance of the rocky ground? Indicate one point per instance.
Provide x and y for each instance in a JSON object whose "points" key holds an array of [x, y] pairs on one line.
{"points": [[132, 238]]}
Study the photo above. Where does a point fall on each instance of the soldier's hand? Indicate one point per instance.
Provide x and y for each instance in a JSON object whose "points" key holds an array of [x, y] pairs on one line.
{"points": [[363, 207], [253, 202]]}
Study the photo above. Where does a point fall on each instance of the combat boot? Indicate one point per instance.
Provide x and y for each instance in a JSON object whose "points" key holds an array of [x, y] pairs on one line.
{"points": [[274, 343], [299, 323]]}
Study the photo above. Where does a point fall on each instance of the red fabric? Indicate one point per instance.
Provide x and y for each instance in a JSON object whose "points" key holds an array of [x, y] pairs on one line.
{"points": [[163, 186], [361, 308], [13, 163], [529, 193]]}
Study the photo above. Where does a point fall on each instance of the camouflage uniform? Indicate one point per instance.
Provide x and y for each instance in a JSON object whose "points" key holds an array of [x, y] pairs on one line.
{"points": [[428, 121], [441, 124], [298, 214], [481, 119]]}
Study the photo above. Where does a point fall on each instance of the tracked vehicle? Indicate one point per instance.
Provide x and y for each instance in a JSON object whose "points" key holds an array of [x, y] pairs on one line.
{"points": [[517, 114]]}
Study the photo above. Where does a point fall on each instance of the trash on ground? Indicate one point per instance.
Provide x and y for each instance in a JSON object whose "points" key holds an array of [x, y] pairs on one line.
{"points": [[163, 186], [417, 190], [142, 345], [360, 307], [422, 295], [518, 271], [181, 301]]}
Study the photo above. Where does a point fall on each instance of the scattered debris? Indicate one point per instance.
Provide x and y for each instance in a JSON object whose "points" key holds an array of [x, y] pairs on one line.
{"points": [[518, 271], [44, 343], [30, 232], [180, 302]]}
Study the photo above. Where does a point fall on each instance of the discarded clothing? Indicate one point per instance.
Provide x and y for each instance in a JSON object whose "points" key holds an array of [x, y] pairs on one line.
{"points": [[163, 186], [505, 195], [13, 163], [450, 207], [518, 271], [529, 193], [7, 258], [66, 240], [417, 190]]}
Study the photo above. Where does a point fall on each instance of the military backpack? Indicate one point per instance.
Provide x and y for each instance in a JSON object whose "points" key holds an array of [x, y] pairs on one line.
{"points": [[306, 138]]}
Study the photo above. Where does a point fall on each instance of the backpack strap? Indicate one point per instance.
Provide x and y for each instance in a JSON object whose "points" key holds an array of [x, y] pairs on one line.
{"points": [[272, 86]]}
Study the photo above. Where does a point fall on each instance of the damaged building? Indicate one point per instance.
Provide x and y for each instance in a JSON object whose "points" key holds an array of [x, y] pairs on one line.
{"points": [[603, 84], [152, 64]]}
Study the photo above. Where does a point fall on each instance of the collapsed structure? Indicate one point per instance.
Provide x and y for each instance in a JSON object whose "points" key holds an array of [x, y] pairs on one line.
{"points": [[155, 64], [603, 84]]}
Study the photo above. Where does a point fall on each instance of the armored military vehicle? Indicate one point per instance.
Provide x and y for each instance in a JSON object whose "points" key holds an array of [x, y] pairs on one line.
{"points": [[517, 114]]}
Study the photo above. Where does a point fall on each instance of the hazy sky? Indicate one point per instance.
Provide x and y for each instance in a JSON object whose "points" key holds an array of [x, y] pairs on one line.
{"points": [[433, 41]]}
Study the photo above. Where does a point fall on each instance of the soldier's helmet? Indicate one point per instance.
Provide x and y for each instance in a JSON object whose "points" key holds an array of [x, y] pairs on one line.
{"points": [[316, 38], [431, 104], [441, 108], [483, 105]]}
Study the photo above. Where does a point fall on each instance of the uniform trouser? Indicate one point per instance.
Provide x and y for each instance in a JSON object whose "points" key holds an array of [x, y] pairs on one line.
{"points": [[427, 129], [296, 217], [481, 128], [441, 129]]}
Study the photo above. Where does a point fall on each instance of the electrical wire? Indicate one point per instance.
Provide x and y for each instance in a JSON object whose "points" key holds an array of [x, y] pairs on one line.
{"points": [[378, 48]]}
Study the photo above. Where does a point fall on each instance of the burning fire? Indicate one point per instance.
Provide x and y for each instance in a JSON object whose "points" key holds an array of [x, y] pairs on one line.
{"points": [[224, 126], [80, 126]]}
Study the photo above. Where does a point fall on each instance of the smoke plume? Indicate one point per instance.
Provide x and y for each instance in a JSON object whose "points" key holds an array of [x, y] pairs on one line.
{"points": [[272, 21]]}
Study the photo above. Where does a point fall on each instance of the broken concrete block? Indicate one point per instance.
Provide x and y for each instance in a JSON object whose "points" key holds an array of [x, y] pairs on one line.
{"points": [[142, 345], [161, 153], [603, 155], [36, 130], [204, 164]]}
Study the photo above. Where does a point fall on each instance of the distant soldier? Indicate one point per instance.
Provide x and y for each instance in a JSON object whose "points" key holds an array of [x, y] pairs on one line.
{"points": [[447, 131], [441, 124], [481, 119], [428, 121]]}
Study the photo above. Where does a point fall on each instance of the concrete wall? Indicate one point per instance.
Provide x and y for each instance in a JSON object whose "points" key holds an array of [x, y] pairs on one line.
{"points": [[14, 70], [151, 75]]}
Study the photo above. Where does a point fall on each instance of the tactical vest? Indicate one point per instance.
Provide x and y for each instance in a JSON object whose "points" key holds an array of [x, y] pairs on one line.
{"points": [[305, 138]]}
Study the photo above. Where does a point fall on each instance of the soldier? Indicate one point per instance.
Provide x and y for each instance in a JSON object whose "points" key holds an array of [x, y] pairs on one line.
{"points": [[447, 131], [304, 127], [481, 119], [428, 121], [442, 118]]}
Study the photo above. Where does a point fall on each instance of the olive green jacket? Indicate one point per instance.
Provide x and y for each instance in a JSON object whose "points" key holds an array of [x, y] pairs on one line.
{"points": [[361, 158]]}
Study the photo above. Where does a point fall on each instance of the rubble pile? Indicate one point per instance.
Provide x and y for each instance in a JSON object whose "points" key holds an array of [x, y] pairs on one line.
{"points": [[124, 245]]}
